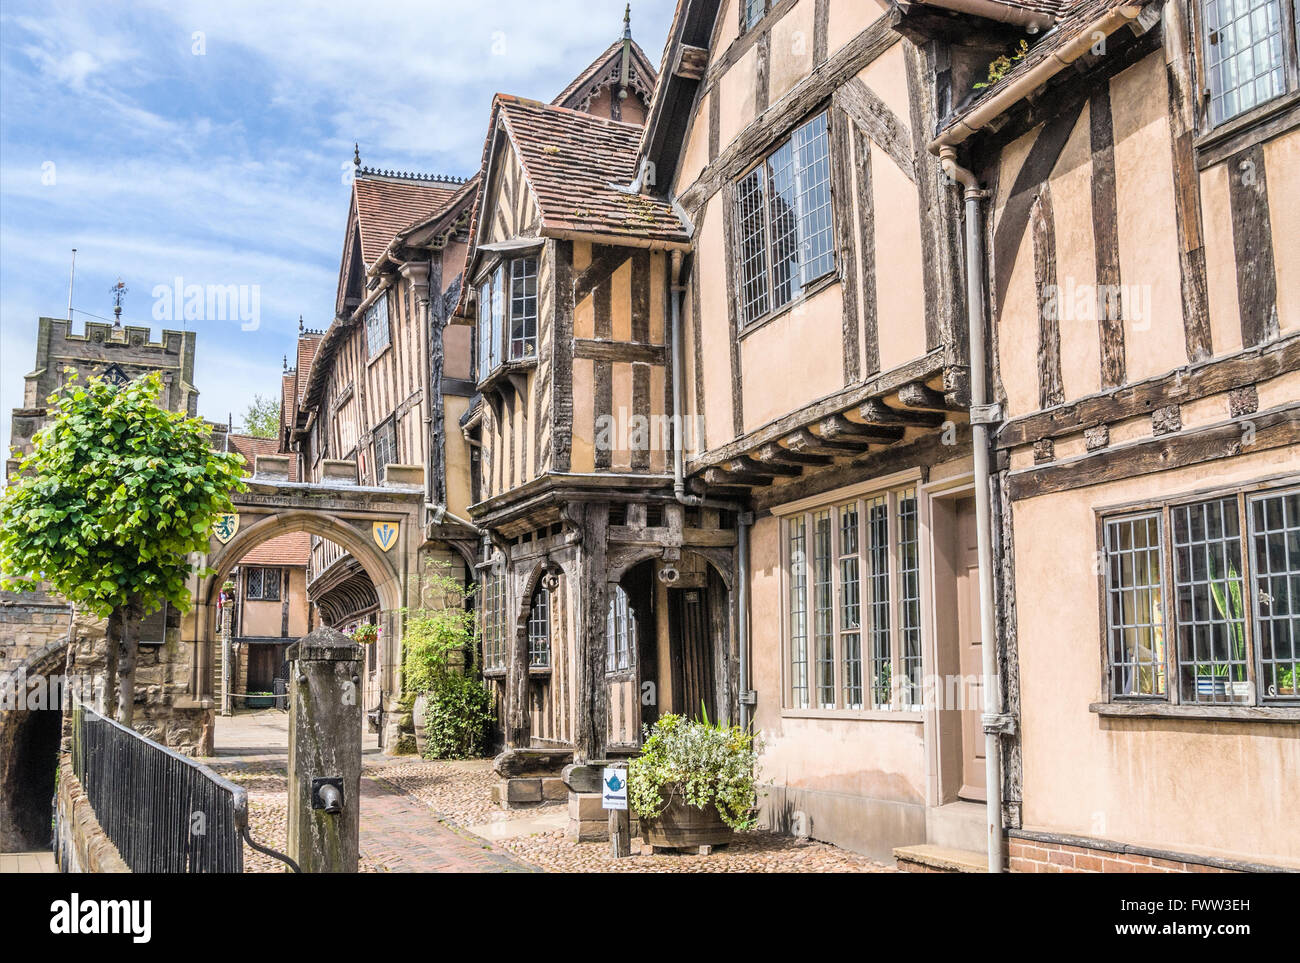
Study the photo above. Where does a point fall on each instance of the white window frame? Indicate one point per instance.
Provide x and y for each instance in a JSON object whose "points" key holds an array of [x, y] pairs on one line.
{"points": [[893, 489], [375, 314], [497, 307]]}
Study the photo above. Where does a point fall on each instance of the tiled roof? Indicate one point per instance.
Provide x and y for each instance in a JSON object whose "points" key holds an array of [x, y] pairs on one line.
{"points": [[572, 160], [293, 549], [251, 446], [1074, 17], [307, 346], [640, 62], [387, 205]]}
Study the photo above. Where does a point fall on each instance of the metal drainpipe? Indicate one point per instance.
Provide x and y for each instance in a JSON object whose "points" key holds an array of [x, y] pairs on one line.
{"points": [[981, 416], [743, 517]]}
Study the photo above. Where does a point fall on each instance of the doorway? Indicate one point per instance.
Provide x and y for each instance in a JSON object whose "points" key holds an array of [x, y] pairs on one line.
{"points": [[958, 649], [693, 691]]}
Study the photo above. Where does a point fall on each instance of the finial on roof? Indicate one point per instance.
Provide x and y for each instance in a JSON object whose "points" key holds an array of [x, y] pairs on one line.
{"points": [[625, 69], [356, 155], [286, 362], [300, 324], [119, 293]]}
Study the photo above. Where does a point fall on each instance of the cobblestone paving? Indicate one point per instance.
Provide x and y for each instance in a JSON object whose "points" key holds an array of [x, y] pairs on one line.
{"points": [[414, 811], [753, 852], [460, 793]]}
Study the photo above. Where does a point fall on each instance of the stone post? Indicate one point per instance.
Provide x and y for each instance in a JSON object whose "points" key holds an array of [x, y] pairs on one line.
{"points": [[325, 751]]}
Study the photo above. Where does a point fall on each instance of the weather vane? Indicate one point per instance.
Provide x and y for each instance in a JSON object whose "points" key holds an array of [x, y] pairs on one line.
{"points": [[119, 293]]}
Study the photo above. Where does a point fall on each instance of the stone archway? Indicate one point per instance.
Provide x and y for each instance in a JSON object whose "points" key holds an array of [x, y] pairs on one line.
{"points": [[343, 513], [30, 734]]}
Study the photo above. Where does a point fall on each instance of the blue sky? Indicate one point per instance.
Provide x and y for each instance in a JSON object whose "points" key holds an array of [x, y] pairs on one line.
{"points": [[209, 141]]}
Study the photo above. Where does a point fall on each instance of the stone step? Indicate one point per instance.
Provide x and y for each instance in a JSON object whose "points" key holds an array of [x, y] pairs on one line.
{"points": [[927, 858]]}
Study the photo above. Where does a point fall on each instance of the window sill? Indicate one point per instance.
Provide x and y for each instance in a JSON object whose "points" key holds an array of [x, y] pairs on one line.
{"points": [[814, 288], [505, 369], [1245, 130], [494, 673], [375, 357], [863, 715], [539, 671], [1163, 710]]}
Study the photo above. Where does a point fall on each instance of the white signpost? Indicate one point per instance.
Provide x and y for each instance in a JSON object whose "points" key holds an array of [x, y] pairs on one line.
{"points": [[613, 797], [613, 790]]}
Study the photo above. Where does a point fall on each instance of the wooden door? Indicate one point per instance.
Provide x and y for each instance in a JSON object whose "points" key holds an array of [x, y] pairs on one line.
{"points": [[691, 653], [970, 662]]}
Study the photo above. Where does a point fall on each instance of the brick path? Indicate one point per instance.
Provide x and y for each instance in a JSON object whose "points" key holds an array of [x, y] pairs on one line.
{"points": [[402, 835]]}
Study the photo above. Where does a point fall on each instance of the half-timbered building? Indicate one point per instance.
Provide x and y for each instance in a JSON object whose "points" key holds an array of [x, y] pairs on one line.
{"points": [[378, 389], [971, 326], [1131, 178]]}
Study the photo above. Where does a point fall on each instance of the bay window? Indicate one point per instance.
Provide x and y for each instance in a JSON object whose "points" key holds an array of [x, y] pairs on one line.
{"points": [[1250, 53], [854, 567], [507, 302]]}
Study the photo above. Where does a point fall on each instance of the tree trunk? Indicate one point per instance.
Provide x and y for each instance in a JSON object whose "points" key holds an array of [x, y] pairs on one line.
{"points": [[113, 635], [132, 613]]}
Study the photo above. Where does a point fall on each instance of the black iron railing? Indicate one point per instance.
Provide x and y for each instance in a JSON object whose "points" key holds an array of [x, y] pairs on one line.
{"points": [[164, 813]]}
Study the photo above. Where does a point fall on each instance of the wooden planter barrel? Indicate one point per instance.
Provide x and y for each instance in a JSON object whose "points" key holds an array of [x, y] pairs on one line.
{"points": [[682, 826]]}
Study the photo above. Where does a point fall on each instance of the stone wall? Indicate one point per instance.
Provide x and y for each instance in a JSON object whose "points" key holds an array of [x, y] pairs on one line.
{"points": [[80, 843], [29, 621]]}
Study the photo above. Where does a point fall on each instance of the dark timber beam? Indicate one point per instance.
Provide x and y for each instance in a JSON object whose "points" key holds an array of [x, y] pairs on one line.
{"points": [[754, 467], [839, 428], [919, 395], [876, 412], [804, 440], [774, 454]]}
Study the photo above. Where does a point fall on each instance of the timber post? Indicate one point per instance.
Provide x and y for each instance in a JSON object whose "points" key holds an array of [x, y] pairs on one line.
{"points": [[325, 752]]}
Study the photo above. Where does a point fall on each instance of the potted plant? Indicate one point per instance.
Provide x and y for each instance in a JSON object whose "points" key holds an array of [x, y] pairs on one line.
{"points": [[260, 700], [1286, 681], [1215, 679], [693, 783]]}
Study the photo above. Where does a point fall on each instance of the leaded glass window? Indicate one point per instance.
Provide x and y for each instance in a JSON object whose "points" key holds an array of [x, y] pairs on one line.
{"points": [[783, 223], [539, 630], [523, 308], [620, 631], [376, 318], [853, 585], [1135, 606], [1246, 58]]}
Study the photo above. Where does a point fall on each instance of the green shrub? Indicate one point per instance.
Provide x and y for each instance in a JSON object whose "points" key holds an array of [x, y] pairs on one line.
{"points": [[704, 762], [458, 718], [437, 638]]}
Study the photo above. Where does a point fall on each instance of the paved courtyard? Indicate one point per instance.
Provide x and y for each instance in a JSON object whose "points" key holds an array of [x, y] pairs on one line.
{"points": [[437, 816]]}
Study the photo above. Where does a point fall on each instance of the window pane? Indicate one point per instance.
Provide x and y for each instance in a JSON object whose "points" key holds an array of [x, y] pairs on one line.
{"points": [[484, 329], [1210, 593], [523, 307], [823, 613], [798, 613], [783, 216], [753, 12], [1244, 55], [385, 442], [539, 630], [753, 245], [377, 325], [1275, 555], [877, 557], [498, 306], [620, 632], [850, 606], [1135, 606], [813, 199], [909, 598]]}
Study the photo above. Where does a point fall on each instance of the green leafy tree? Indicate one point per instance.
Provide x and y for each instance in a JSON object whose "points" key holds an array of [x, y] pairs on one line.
{"points": [[110, 505], [262, 418]]}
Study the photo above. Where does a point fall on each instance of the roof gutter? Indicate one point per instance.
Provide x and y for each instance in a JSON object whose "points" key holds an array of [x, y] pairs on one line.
{"points": [[1003, 100], [1031, 20]]}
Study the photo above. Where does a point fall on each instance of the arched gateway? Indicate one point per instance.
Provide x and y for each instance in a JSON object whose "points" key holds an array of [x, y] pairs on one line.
{"points": [[380, 526]]}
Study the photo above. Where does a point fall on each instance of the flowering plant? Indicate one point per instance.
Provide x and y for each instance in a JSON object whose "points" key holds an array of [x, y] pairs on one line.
{"points": [[704, 762]]}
